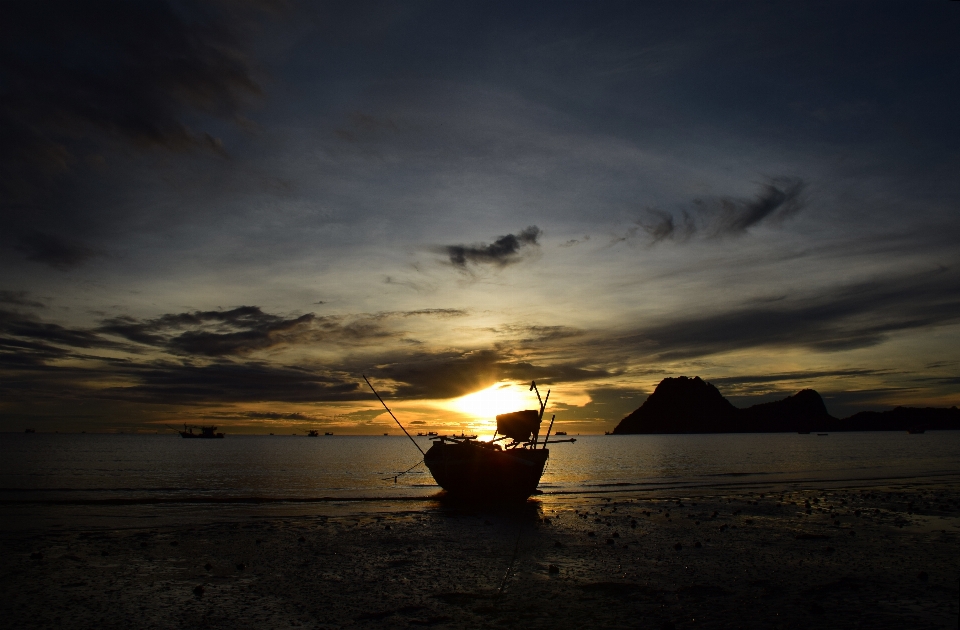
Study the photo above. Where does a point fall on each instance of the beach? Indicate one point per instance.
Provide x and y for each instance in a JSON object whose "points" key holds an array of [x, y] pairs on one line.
{"points": [[862, 555]]}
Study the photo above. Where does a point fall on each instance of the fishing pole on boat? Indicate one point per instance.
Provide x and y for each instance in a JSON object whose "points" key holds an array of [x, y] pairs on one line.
{"points": [[393, 416]]}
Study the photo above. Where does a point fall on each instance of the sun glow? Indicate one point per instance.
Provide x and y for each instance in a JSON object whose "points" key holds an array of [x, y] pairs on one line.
{"points": [[496, 399]]}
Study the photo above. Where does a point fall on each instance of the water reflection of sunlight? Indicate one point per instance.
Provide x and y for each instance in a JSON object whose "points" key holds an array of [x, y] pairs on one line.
{"points": [[496, 399]]}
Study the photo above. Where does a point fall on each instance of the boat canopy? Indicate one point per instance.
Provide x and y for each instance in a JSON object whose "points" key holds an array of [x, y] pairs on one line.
{"points": [[519, 425]]}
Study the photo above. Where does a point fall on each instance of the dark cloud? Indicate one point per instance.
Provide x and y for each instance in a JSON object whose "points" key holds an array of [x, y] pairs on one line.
{"points": [[56, 251], [777, 200], [19, 298], [80, 78], [853, 316], [752, 379], [186, 383], [502, 252], [211, 333], [453, 374], [20, 328]]}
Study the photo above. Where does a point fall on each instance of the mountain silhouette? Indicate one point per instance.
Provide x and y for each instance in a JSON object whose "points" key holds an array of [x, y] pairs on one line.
{"points": [[691, 405]]}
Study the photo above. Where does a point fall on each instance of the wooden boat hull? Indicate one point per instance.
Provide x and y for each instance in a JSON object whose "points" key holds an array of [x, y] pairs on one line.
{"points": [[471, 471]]}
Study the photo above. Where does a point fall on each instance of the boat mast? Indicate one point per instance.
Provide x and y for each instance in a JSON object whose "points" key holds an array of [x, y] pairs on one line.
{"points": [[547, 439], [543, 407], [393, 416]]}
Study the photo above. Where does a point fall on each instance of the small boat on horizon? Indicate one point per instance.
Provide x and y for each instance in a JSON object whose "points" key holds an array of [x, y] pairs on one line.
{"points": [[313, 433], [328, 433], [559, 432], [206, 433]]}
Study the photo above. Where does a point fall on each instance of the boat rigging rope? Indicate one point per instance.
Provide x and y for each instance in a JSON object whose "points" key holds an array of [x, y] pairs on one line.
{"points": [[403, 473], [516, 550]]}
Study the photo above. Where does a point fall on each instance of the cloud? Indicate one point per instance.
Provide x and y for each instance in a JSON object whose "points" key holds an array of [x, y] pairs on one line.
{"points": [[806, 375], [29, 328], [575, 241], [847, 317], [58, 252], [83, 79], [19, 298], [776, 200], [502, 252], [211, 333], [453, 374], [186, 383]]}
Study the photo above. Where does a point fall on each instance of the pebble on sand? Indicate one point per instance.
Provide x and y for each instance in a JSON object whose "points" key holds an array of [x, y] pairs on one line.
{"points": [[198, 590]]}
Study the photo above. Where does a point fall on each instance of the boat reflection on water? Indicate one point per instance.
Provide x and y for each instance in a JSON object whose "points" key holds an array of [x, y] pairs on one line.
{"points": [[507, 468]]}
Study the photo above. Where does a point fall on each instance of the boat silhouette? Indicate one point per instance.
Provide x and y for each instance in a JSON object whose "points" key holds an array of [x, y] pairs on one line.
{"points": [[207, 433], [507, 468]]}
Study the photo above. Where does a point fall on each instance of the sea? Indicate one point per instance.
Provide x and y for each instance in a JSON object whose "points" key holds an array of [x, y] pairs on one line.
{"points": [[49, 476]]}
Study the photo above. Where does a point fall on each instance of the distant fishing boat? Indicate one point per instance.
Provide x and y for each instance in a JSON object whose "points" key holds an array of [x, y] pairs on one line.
{"points": [[206, 433], [313, 433], [489, 471], [328, 433], [559, 432]]}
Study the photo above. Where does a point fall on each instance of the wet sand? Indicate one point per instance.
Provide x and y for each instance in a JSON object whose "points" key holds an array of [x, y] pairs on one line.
{"points": [[858, 557]]}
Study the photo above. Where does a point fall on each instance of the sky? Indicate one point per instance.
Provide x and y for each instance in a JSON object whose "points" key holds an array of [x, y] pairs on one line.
{"points": [[229, 212]]}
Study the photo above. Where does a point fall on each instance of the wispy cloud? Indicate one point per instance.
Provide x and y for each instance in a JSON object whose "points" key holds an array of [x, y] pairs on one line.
{"points": [[776, 200]]}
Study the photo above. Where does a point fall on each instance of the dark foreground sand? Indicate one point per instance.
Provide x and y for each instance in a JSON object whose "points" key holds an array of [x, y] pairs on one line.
{"points": [[873, 557]]}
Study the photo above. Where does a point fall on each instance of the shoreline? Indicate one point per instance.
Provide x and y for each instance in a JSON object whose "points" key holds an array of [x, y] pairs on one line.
{"points": [[620, 559]]}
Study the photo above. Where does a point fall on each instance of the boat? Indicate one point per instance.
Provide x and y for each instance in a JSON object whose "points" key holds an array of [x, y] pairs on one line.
{"points": [[559, 432], [313, 433], [328, 433], [823, 434], [916, 430], [432, 434], [507, 468], [207, 433]]}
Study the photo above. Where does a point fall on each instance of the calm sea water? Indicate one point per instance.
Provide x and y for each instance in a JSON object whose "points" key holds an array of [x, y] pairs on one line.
{"points": [[59, 468]]}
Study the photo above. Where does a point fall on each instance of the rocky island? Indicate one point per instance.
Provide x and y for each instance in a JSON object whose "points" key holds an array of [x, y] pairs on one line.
{"points": [[691, 405]]}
